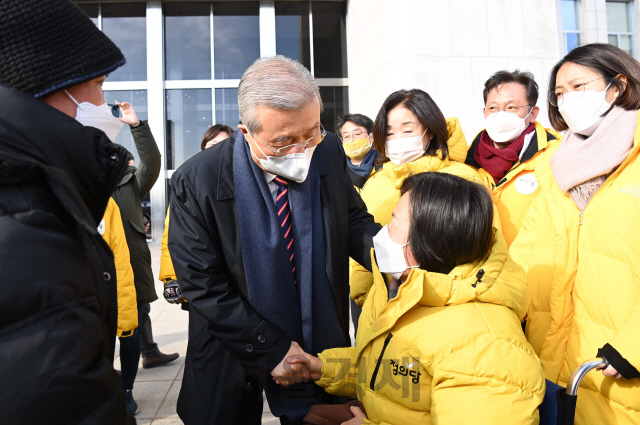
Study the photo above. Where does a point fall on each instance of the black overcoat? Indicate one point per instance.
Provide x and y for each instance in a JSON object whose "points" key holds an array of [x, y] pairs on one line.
{"points": [[57, 275], [231, 347]]}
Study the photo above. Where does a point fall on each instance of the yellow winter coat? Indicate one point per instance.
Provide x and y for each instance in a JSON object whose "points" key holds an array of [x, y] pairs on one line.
{"points": [[442, 351], [167, 272], [584, 278], [518, 188], [112, 232], [381, 193]]}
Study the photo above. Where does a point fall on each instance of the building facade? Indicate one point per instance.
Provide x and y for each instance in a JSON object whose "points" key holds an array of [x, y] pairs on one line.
{"points": [[185, 58]]}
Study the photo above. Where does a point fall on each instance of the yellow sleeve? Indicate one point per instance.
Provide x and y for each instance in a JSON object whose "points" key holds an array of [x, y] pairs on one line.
{"points": [[166, 266], [626, 340], [360, 281], [339, 371], [524, 244], [127, 303]]}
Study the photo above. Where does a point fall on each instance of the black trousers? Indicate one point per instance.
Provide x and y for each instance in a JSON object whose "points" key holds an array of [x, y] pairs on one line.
{"points": [[148, 347], [130, 356]]}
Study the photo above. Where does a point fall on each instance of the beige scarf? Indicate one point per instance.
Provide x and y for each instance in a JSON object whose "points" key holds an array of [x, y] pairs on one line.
{"points": [[582, 164]]}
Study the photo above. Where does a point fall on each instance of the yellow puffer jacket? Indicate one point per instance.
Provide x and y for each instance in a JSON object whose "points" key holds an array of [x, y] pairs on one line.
{"points": [[584, 278], [167, 272], [112, 232], [442, 351], [518, 188], [381, 193]]}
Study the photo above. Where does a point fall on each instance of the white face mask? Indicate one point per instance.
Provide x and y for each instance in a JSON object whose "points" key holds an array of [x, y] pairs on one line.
{"points": [[294, 166], [583, 111], [390, 255], [503, 126], [99, 117], [400, 151]]}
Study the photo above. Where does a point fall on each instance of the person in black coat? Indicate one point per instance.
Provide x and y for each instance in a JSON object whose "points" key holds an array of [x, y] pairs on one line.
{"points": [[57, 275], [265, 278]]}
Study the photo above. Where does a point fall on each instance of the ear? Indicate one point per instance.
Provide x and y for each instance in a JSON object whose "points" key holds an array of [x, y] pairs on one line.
{"points": [[534, 114], [624, 81], [243, 129]]}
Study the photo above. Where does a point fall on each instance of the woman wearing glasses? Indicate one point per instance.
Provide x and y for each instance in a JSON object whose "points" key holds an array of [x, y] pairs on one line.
{"points": [[412, 136], [579, 241]]}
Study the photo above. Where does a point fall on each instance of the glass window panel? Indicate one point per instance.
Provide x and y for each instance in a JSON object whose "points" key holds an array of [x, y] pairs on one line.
{"points": [[613, 40], [626, 44], [189, 115], [570, 13], [236, 37], [227, 111], [573, 40], [292, 31], [126, 26], [618, 17], [187, 41], [329, 40], [335, 101], [137, 99], [92, 11]]}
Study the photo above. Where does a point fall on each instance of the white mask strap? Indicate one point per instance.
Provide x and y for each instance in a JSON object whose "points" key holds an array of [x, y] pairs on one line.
{"points": [[71, 97]]}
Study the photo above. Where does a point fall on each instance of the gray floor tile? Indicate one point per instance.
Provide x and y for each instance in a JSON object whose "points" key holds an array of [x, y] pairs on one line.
{"points": [[168, 406], [149, 396]]}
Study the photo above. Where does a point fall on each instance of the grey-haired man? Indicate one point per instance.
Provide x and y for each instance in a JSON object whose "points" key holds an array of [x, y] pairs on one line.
{"points": [[262, 228]]}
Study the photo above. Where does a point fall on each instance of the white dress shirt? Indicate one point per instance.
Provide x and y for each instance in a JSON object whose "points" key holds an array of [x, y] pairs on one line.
{"points": [[273, 187]]}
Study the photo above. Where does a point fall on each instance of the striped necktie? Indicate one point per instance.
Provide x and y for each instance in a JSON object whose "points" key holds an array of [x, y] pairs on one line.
{"points": [[284, 217]]}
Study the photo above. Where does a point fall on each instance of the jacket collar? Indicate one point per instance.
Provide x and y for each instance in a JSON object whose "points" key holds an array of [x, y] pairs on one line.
{"points": [[226, 186], [80, 164], [543, 137], [500, 285]]}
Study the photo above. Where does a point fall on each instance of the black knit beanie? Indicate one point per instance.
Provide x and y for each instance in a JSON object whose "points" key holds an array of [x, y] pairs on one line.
{"points": [[50, 45]]}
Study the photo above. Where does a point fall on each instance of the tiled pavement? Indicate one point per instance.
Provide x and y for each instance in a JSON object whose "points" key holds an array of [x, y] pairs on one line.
{"points": [[156, 390]]}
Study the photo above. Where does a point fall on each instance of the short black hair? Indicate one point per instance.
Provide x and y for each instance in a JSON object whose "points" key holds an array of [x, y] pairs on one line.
{"points": [[212, 132], [525, 79], [425, 109], [357, 119], [608, 61], [451, 220]]}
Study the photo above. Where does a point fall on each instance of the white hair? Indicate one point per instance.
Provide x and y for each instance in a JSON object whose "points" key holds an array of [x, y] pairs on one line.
{"points": [[276, 82]]}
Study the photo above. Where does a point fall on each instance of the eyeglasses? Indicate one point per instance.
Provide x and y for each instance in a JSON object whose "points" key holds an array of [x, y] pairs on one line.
{"points": [[556, 97], [355, 135], [285, 150], [511, 109]]}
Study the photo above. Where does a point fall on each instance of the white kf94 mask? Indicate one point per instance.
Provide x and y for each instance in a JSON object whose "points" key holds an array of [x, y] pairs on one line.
{"points": [[99, 117], [390, 255]]}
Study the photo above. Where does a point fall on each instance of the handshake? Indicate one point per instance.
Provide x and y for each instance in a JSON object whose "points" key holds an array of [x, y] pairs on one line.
{"points": [[296, 367]]}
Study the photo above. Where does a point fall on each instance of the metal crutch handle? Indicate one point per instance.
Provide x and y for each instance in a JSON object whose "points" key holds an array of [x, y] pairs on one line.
{"points": [[581, 371]]}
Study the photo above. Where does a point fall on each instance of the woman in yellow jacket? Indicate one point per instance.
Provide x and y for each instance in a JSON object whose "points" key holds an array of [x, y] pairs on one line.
{"points": [[412, 136], [580, 240], [445, 346], [112, 232]]}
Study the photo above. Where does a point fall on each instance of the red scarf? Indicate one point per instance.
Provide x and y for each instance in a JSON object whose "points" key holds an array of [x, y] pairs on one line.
{"points": [[498, 161]]}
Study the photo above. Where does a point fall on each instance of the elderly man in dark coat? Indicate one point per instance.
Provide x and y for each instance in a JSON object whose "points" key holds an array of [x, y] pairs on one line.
{"points": [[262, 228], [57, 276]]}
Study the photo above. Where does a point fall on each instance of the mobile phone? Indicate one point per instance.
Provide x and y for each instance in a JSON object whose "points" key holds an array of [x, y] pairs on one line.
{"points": [[115, 110]]}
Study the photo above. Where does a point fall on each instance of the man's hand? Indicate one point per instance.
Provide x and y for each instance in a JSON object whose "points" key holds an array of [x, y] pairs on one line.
{"points": [[359, 416], [128, 114], [287, 374], [312, 363], [172, 292]]}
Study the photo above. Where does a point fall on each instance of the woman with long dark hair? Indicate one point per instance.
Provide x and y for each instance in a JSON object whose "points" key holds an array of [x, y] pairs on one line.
{"points": [[441, 342], [412, 136], [580, 240]]}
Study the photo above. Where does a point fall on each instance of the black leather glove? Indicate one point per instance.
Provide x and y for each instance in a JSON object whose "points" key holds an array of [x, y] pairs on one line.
{"points": [[172, 292]]}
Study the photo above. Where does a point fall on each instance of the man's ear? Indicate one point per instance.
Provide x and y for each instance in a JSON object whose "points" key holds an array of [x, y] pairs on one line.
{"points": [[534, 114], [243, 129]]}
